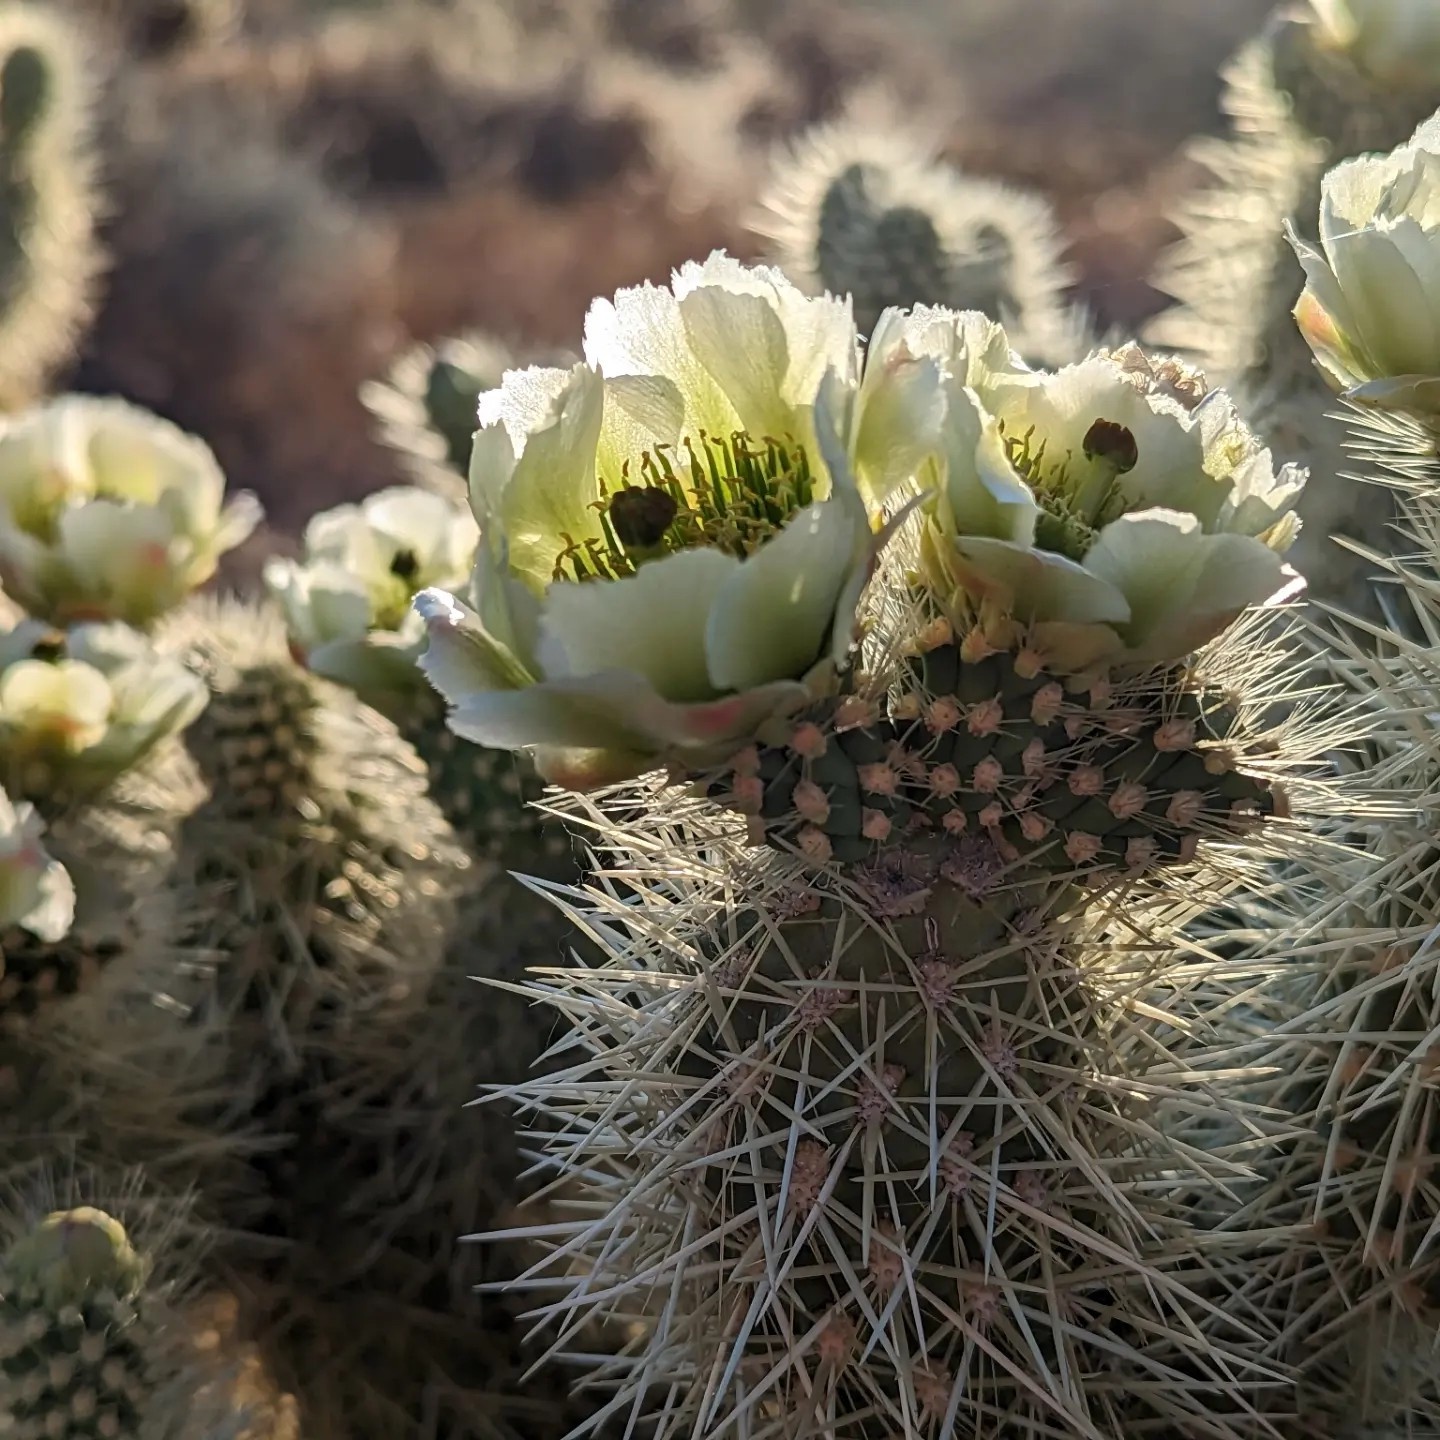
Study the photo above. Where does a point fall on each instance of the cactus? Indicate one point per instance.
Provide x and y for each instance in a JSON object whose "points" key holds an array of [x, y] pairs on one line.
{"points": [[859, 1109], [1342, 1208], [93, 1343], [870, 212], [881, 1158], [117, 857], [1295, 108], [425, 407], [994, 747], [332, 877], [49, 258]]}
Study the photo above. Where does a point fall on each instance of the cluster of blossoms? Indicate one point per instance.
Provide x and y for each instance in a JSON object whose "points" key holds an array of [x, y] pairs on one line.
{"points": [[84, 705], [109, 518], [677, 533]]}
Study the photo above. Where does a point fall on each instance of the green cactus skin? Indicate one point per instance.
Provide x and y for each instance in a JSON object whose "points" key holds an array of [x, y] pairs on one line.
{"points": [[49, 257], [999, 747], [1295, 111], [488, 796], [859, 210]]}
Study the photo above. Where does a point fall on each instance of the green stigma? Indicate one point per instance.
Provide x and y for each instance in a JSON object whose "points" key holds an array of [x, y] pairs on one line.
{"points": [[1076, 501], [731, 494]]}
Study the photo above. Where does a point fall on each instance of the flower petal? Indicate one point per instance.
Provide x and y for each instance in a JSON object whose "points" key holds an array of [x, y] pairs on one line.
{"points": [[775, 616], [653, 623], [1183, 587], [1034, 585], [615, 710], [546, 501], [462, 657]]}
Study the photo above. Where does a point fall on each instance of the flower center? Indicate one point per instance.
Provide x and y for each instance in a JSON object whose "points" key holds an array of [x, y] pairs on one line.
{"points": [[713, 493], [49, 647], [1076, 500]]}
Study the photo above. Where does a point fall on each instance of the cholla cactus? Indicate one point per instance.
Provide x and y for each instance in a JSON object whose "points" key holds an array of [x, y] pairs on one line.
{"points": [[854, 1104], [337, 874], [1310, 92], [869, 211], [1349, 1036], [79, 708], [425, 407], [49, 258], [108, 512], [101, 1337]]}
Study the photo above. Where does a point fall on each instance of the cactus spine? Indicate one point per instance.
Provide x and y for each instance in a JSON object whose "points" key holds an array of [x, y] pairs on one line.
{"points": [[49, 256], [1342, 1209], [887, 1170]]}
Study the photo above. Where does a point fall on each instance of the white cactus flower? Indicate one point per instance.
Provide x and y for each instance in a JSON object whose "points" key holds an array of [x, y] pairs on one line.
{"points": [[674, 536], [79, 708], [1395, 42], [1114, 509], [347, 603], [108, 512], [36, 892], [1371, 305]]}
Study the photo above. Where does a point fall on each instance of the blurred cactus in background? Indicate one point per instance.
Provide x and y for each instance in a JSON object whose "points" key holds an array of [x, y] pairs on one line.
{"points": [[865, 209], [424, 409], [49, 202]]}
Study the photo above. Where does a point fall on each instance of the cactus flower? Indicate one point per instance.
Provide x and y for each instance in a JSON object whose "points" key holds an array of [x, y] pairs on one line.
{"points": [[674, 535], [1371, 305], [1395, 42], [1114, 508], [77, 709], [36, 892], [108, 512], [347, 604]]}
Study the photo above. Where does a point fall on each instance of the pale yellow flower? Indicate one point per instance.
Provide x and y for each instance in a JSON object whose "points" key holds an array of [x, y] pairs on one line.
{"points": [[1371, 305], [89, 703], [36, 892], [347, 603], [674, 536], [108, 512]]}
